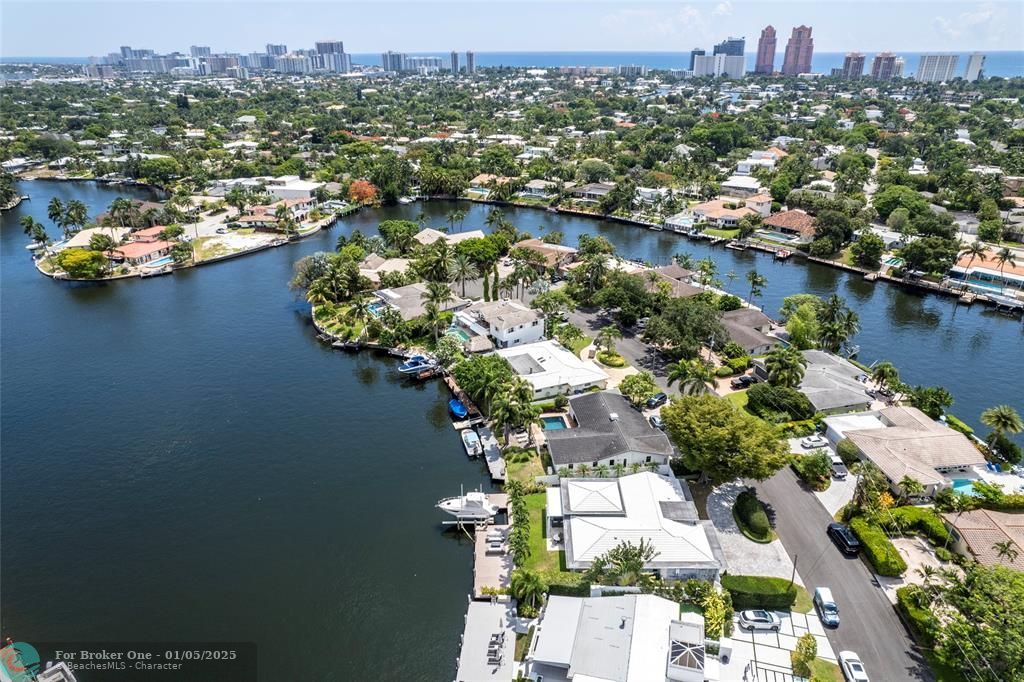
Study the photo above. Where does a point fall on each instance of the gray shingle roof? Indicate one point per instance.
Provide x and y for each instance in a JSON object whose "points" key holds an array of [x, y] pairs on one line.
{"points": [[599, 437]]}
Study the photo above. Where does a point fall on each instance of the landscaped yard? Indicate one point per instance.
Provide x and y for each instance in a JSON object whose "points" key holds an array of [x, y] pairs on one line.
{"points": [[540, 558], [738, 398], [824, 670], [525, 471], [727, 234]]}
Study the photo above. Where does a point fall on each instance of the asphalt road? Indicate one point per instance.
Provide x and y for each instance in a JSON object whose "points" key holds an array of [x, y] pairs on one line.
{"points": [[869, 625], [635, 351]]}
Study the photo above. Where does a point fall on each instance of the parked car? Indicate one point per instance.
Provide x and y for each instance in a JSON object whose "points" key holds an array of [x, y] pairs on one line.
{"points": [[814, 441], [760, 620], [853, 669], [222, 230], [656, 400], [826, 606], [657, 422], [839, 469], [844, 538], [743, 381]]}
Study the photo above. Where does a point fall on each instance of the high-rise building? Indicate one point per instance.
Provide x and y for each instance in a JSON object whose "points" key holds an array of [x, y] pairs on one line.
{"points": [[292, 63], [330, 47], [853, 66], [975, 67], [454, 61], [799, 51], [765, 62], [393, 61], [220, 63], [719, 65], [936, 68], [886, 66], [470, 62], [199, 51], [421, 64], [694, 53], [732, 47], [276, 50], [630, 70]]}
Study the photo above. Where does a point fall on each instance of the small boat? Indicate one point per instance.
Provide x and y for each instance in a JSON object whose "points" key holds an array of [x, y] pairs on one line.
{"points": [[473, 506], [736, 245], [165, 270], [552, 209], [655, 227], [471, 442], [457, 408], [34, 246], [416, 364], [405, 200]]}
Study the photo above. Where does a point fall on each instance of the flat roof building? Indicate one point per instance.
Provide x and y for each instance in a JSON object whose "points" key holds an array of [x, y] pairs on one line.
{"points": [[552, 370]]}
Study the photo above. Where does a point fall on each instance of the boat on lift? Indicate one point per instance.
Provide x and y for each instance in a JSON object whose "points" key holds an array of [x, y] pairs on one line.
{"points": [[471, 507], [416, 364], [458, 408]]}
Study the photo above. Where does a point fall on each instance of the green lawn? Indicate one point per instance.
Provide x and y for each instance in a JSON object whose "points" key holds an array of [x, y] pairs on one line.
{"points": [[824, 671], [738, 398], [540, 558], [523, 643], [728, 234], [525, 472], [803, 603]]}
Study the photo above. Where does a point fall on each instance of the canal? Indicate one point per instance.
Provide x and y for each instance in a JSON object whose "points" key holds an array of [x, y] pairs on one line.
{"points": [[182, 460]]}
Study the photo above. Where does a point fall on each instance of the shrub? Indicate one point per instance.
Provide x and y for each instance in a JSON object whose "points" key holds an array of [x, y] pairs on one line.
{"points": [[911, 602], [724, 371], [803, 655], [943, 554], [729, 302], [848, 452], [957, 425], [763, 399], [611, 359], [564, 584], [882, 554], [759, 592], [920, 519], [814, 468], [733, 350], [561, 402], [798, 429], [739, 364], [750, 513]]}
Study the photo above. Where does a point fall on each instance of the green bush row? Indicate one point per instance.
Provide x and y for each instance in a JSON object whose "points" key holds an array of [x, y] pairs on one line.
{"points": [[923, 625], [882, 554], [759, 592], [957, 425], [921, 519], [563, 584], [798, 429]]}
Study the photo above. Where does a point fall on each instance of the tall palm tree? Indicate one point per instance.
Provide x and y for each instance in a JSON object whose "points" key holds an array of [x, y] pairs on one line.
{"points": [[601, 470], [606, 337], [527, 587], [583, 470], [359, 310], [1006, 550], [76, 215], [976, 249], [707, 270], [495, 218], [438, 261], [909, 487], [460, 215], [55, 212], [731, 276], [785, 366], [693, 376], [1002, 419], [619, 468], [684, 260], [885, 375], [452, 217], [463, 269], [319, 292], [437, 295], [1003, 257], [757, 281]]}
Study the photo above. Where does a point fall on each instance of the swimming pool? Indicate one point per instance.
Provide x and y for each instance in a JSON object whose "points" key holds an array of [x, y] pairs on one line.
{"points": [[160, 262], [553, 423], [776, 236], [964, 486], [458, 333], [893, 261], [375, 308]]}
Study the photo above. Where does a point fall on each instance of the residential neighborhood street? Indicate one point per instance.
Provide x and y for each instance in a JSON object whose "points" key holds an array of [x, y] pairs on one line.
{"points": [[636, 352], [869, 624]]}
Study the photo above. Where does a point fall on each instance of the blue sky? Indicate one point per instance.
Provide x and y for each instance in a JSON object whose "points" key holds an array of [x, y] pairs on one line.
{"points": [[96, 27]]}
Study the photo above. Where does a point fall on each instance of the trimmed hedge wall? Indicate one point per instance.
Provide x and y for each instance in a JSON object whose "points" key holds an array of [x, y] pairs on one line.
{"points": [[759, 592], [880, 552], [564, 584], [922, 622], [920, 519]]}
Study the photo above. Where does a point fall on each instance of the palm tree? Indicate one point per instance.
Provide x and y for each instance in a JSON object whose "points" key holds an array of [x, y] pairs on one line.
{"points": [[885, 375], [693, 376], [1006, 550], [756, 281], [76, 214], [619, 468], [785, 366], [707, 270], [583, 470], [463, 269], [635, 467], [359, 310], [1002, 419], [975, 249], [909, 487], [28, 224], [601, 471], [460, 215], [731, 276], [438, 262], [684, 260], [55, 212], [437, 295], [495, 218], [1004, 256], [606, 337], [527, 587], [451, 218], [626, 561]]}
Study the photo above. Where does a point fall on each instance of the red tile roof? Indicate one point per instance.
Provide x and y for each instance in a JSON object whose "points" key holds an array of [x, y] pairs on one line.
{"points": [[795, 221]]}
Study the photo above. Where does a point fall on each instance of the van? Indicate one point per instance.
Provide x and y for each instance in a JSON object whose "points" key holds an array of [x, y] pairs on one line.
{"points": [[826, 606]]}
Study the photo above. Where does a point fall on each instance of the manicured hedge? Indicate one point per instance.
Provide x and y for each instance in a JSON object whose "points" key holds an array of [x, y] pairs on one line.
{"points": [[751, 514], [798, 429], [759, 592], [564, 584], [882, 554], [957, 425], [922, 622], [921, 519]]}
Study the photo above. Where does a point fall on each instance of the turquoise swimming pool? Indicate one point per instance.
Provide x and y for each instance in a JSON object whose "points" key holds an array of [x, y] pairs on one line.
{"points": [[458, 333], [776, 236], [964, 486], [553, 423], [893, 261], [160, 262]]}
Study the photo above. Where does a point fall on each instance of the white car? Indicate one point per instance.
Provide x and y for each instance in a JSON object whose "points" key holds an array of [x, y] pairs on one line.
{"points": [[813, 442], [758, 619], [853, 669]]}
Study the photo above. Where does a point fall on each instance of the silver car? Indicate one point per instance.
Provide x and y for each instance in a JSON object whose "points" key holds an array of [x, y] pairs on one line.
{"points": [[758, 619], [853, 669]]}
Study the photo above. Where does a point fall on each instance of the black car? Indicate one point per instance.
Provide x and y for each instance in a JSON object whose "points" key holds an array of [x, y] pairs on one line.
{"points": [[742, 381], [656, 400], [844, 538]]}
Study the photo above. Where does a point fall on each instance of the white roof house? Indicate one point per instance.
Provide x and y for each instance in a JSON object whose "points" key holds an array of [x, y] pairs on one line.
{"points": [[428, 236], [599, 514], [291, 187], [553, 370], [628, 638]]}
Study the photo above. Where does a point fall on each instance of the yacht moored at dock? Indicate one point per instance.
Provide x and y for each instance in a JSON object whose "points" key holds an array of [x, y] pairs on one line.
{"points": [[417, 364], [472, 507]]}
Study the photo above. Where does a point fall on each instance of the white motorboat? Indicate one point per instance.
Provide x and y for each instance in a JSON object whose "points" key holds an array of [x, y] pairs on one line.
{"points": [[34, 246], [472, 506], [471, 441]]}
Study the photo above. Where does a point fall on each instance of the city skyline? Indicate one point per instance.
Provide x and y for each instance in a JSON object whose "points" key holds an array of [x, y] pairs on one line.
{"points": [[653, 26]]}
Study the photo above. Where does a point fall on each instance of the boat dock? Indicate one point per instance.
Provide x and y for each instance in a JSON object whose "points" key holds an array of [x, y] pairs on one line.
{"points": [[491, 569], [492, 454], [488, 643]]}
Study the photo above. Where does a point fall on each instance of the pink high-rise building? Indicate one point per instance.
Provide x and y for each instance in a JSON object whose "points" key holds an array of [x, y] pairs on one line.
{"points": [[799, 51], [766, 51]]}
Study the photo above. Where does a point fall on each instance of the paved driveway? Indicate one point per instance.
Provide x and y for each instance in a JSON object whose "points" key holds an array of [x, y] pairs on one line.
{"points": [[744, 556], [870, 625], [636, 352], [768, 652]]}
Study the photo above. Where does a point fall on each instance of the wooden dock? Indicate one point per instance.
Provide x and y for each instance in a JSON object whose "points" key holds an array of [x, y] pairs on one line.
{"points": [[491, 569], [492, 454]]}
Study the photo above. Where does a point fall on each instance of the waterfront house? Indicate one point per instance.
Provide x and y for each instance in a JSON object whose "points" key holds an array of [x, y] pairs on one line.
{"points": [[597, 514], [539, 189], [265, 217], [80, 240], [676, 272], [761, 203], [609, 431], [374, 265], [910, 443], [148, 234], [721, 213], [741, 186], [552, 370], [428, 236], [833, 384], [592, 192], [291, 187], [139, 253], [795, 223], [503, 323], [657, 282], [988, 275], [409, 301], [749, 328], [623, 638], [556, 256], [485, 182], [975, 534]]}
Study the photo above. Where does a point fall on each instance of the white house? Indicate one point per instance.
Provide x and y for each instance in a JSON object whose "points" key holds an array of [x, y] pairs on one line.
{"points": [[504, 323], [291, 187], [552, 370]]}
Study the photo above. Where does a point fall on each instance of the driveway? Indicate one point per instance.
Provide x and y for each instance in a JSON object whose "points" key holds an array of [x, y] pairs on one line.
{"points": [[870, 625], [744, 556], [636, 352], [768, 652]]}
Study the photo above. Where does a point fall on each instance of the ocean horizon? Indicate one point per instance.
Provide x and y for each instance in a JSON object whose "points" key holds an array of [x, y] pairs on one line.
{"points": [[1004, 64]]}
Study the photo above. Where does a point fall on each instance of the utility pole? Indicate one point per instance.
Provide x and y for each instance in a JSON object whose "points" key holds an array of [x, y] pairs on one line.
{"points": [[792, 577]]}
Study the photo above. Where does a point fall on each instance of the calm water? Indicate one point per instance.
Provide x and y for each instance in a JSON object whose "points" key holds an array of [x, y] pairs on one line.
{"points": [[183, 460]]}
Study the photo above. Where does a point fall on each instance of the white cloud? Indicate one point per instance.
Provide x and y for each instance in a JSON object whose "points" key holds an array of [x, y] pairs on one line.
{"points": [[945, 28], [722, 9]]}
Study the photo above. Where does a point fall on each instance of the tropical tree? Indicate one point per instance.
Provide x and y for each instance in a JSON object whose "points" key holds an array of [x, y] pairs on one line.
{"points": [[910, 487], [838, 324], [34, 229], [1006, 550], [976, 249], [76, 215], [626, 561], [463, 269], [757, 282], [528, 587], [693, 376], [607, 336], [56, 213], [1005, 256], [437, 262], [785, 366], [1002, 419], [885, 375]]}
